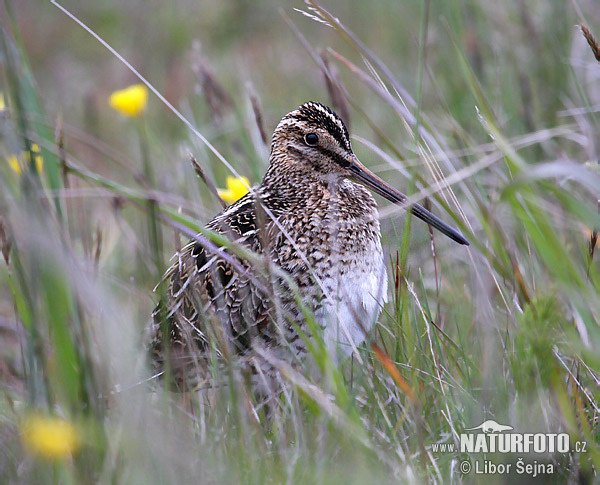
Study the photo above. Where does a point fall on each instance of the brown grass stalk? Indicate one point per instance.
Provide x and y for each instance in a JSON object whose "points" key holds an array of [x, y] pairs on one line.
{"points": [[592, 42]]}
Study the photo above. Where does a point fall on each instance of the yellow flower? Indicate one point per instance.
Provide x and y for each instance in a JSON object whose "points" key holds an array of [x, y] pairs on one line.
{"points": [[236, 189], [14, 163], [130, 101], [2, 102], [50, 437]]}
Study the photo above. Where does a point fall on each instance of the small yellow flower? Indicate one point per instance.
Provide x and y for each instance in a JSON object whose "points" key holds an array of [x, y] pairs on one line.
{"points": [[2, 102], [15, 164], [130, 101], [236, 189], [49, 437]]}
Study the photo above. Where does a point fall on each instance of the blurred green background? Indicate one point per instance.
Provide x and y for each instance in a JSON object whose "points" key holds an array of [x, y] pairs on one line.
{"points": [[506, 96]]}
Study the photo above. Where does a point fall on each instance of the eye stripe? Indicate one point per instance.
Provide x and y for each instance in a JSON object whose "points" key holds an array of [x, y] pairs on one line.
{"points": [[341, 161]]}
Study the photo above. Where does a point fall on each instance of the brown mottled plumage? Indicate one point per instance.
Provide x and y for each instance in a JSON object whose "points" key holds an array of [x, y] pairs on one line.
{"points": [[315, 223]]}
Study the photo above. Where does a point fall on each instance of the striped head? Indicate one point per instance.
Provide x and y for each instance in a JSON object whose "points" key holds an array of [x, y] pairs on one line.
{"points": [[313, 138], [313, 142]]}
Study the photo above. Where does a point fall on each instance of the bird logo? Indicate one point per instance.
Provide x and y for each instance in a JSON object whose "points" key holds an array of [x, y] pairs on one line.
{"points": [[491, 426]]}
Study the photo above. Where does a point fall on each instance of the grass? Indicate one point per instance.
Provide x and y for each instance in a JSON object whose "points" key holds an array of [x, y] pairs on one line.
{"points": [[499, 137]]}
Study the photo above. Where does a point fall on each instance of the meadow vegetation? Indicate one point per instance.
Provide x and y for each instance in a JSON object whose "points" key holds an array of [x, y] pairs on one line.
{"points": [[485, 111]]}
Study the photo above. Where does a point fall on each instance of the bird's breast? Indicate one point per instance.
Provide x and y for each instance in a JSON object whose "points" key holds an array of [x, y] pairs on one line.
{"points": [[339, 238], [354, 300]]}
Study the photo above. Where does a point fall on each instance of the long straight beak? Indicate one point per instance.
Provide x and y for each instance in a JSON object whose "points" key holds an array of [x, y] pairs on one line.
{"points": [[364, 175]]}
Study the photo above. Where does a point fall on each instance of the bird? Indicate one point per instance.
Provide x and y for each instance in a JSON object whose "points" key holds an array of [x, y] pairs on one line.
{"points": [[315, 221]]}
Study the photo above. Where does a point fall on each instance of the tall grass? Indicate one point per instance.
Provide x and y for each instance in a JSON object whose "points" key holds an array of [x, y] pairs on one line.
{"points": [[500, 137]]}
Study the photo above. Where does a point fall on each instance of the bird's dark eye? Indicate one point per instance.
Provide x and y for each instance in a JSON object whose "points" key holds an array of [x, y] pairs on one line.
{"points": [[311, 139]]}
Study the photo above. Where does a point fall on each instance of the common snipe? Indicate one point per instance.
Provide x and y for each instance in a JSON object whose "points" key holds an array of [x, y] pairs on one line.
{"points": [[317, 224]]}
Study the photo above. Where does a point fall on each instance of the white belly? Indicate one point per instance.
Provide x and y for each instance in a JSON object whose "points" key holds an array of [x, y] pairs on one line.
{"points": [[356, 299]]}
